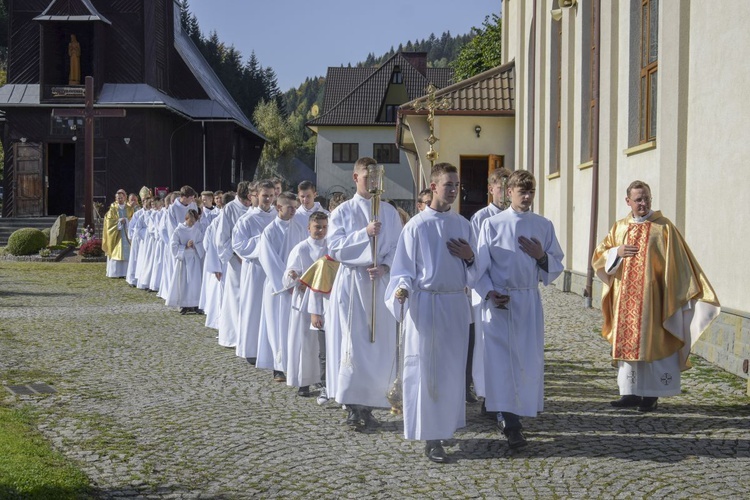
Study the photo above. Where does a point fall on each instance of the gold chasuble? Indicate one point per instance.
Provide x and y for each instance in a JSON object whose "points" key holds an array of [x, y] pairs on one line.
{"points": [[111, 237], [321, 274], [658, 301]]}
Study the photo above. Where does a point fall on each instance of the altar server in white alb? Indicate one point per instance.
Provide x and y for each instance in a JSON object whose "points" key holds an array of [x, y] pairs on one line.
{"points": [[516, 250], [276, 243], [209, 211], [186, 247], [306, 193], [165, 262], [137, 234], [183, 201], [230, 302], [365, 370], [246, 243], [496, 187], [213, 270], [303, 347], [428, 284]]}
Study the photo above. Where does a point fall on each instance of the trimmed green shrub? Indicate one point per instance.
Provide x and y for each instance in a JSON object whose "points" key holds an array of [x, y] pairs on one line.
{"points": [[26, 241], [46, 232]]}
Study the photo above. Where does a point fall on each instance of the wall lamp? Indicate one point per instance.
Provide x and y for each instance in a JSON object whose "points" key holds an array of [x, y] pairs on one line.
{"points": [[478, 130], [127, 140], [562, 4]]}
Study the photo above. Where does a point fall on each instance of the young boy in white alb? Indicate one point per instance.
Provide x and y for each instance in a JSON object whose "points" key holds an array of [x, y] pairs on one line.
{"points": [[303, 348], [276, 243]]}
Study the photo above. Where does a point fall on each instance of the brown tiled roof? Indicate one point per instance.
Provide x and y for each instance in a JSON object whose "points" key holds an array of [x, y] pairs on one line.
{"points": [[340, 81], [491, 92], [355, 96]]}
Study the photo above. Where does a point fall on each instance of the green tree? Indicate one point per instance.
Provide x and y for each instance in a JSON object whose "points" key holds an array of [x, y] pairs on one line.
{"points": [[482, 52], [284, 139]]}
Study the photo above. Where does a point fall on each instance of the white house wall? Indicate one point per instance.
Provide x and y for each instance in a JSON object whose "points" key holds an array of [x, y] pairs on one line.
{"points": [[718, 186], [458, 138], [333, 177], [695, 165]]}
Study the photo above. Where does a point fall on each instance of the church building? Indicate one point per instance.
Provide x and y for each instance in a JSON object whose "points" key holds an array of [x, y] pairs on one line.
{"points": [[181, 125]]}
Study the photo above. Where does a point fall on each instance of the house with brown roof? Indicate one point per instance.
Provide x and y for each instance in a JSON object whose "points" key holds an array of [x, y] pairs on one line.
{"points": [[475, 128], [358, 118]]}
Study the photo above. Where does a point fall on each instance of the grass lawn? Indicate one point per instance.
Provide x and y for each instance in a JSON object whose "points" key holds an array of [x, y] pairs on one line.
{"points": [[29, 467]]}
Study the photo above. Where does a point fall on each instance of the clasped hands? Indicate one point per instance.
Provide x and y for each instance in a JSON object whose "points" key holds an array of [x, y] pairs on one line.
{"points": [[498, 299]]}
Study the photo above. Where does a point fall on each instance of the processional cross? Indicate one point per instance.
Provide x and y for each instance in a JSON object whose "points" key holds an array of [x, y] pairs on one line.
{"points": [[88, 113], [432, 104]]}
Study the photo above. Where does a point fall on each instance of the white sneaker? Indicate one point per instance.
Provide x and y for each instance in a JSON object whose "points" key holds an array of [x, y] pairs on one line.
{"points": [[322, 397]]}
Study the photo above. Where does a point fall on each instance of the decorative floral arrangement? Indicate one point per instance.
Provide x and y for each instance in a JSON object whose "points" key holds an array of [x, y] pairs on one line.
{"points": [[91, 248], [45, 252], [86, 235]]}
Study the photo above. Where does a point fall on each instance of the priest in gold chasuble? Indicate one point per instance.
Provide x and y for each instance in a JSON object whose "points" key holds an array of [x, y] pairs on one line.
{"points": [[656, 301], [115, 242]]}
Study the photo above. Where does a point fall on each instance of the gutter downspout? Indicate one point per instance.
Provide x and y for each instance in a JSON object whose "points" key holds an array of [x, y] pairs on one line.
{"points": [[595, 70], [203, 131], [532, 93]]}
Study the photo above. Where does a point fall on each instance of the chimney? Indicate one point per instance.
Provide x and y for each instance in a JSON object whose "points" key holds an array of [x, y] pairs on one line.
{"points": [[418, 60]]}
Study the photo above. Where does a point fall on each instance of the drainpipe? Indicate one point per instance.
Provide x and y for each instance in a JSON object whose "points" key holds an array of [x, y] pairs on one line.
{"points": [[595, 60], [532, 93], [203, 130]]}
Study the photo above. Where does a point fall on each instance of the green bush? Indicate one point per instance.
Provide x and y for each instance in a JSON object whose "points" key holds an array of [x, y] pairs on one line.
{"points": [[46, 232], [26, 241]]}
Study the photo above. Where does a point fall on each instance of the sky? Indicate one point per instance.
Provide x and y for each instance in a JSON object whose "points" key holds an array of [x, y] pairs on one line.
{"points": [[302, 38]]}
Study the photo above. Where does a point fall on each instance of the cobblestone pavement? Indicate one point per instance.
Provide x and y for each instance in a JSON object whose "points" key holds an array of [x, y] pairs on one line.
{"points": [[148, 405]]}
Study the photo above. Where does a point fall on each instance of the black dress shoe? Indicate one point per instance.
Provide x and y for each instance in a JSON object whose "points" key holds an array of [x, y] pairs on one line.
{"points": [[304, 391], [648, 404], [183, 311], [252, 361], [629, 401], [353, 419], [369, 421], [516, 439], [435, 452]]}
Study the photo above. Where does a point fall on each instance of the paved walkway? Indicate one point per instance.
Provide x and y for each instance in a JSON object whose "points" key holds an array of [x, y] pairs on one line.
{"points": [[150, 406]]}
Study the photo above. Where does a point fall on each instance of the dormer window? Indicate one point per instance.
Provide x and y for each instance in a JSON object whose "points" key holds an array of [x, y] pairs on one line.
{"points": [[397, 76]]}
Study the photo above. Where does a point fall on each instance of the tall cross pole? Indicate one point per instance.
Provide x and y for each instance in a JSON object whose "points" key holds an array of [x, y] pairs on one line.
{"points": [[432, 104], [88, 113]]}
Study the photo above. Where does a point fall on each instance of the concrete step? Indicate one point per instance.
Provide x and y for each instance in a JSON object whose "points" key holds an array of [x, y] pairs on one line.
{"points": [[10, 224]]}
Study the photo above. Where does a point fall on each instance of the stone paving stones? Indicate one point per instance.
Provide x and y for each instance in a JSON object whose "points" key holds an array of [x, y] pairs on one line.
{"points": [[149, 406]]}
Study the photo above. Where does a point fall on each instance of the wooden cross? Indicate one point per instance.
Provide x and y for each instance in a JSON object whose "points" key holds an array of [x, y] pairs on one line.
{"points": [[89, 113]]}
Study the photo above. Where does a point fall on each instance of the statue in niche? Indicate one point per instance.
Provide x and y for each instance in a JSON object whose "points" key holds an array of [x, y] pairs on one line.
{"points": [[74, 52]]}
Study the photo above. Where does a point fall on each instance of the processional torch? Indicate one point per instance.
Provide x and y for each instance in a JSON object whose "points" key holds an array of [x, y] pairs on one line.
{"points": [[375, 188], [395, 395]]}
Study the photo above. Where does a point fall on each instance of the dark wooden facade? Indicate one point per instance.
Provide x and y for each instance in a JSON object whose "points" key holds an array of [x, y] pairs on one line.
{"points": [[131, 47]]}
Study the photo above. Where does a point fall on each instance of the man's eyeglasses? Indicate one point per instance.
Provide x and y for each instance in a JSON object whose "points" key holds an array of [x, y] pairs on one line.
{"points": [[646, 199]]}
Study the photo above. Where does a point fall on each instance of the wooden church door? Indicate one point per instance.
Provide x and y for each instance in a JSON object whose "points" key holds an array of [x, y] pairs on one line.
{"points": [[28, 166]]}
